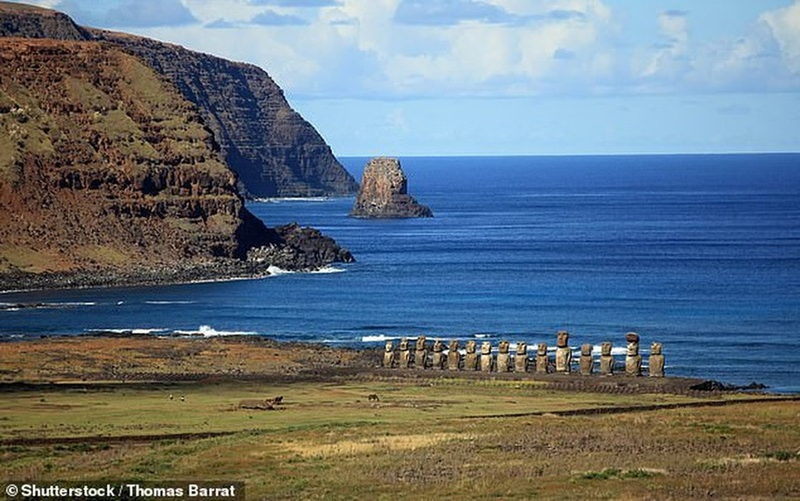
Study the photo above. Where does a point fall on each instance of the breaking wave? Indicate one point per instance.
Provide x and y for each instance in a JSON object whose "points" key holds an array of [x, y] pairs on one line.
{"points": [[208, 331]]}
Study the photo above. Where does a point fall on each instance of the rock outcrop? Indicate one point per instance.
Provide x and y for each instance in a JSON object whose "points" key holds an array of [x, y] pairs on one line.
{"points": [[384, 193], [108, 175], [271, 147]]}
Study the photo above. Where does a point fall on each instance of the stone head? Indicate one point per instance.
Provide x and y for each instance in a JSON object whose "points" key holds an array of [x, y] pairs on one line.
{"points": [[420, 343], [389, 346], [486, 348], [605, 349], [522, 348], [403, 344], [502, 347], [562, 339], [586, 350], [655, 349], [471, 346], [633, 349], [453, 345], [438, 346], [541, 350]]}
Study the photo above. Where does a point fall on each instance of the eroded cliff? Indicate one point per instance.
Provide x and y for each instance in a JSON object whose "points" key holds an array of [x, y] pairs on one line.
{"points": [[107, 171], [271, 147]]}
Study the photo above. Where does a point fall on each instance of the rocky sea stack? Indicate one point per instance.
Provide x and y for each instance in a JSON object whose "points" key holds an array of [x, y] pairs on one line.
{"points": [[384, 193]]}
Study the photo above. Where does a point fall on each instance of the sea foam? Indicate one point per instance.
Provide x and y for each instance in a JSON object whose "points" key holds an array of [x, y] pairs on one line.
{"points": [[208, 331]]}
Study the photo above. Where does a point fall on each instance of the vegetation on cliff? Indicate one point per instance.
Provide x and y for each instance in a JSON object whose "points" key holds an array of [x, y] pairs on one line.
{"points": [[270, 146], [105, 166]]}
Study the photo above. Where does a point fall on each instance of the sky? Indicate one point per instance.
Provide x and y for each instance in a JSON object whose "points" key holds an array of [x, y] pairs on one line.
{"points": [[505, 77]]}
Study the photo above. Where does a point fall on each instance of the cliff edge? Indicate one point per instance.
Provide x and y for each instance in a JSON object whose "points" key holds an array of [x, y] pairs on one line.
{"points": [[384, 193], [274, 151], [109, 176]]}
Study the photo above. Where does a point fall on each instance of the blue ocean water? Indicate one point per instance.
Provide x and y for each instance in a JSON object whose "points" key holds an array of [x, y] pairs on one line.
{"points": [[699, 252]]}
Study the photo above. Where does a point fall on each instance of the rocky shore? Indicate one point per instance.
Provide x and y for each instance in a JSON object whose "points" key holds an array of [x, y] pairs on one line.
{"points": [[296, 249]]}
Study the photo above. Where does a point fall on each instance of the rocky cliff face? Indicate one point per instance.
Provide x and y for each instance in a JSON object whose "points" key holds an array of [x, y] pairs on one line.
{"points": [[19, 20], [384, 192], [271, 147], [106, 169]]}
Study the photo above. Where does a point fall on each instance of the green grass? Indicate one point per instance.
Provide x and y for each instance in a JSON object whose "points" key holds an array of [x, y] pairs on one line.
{"points": [[423, 437]]}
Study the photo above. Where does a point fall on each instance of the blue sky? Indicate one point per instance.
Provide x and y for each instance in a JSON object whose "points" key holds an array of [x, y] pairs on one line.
{"points": [[444, 77]]}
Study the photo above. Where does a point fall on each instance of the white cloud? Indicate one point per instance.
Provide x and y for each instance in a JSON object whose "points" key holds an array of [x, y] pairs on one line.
{"points": [[483, 48], [785, 26]]}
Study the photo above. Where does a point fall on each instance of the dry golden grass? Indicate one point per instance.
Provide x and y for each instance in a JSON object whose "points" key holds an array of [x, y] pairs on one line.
{"points": [[448, 438]]}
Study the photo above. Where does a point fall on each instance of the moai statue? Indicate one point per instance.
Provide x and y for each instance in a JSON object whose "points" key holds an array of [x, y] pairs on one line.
{"points": [[563, 353], [633, 361], [606, 360], [405, 354], [471, 358], [587, 362], [542, 360], [486, 357], [656, 360], [521, 358], [503, 357], [438, 355], [421, 355], [453, 356], [388, 355]]}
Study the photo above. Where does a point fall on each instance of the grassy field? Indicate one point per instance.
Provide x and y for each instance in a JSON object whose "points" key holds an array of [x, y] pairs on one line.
{"points": [[115, 409], [422, 440]]}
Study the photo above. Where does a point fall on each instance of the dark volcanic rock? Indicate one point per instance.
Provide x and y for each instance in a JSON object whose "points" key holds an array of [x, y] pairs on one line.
{"points": [[384, 192], [271, 147]]}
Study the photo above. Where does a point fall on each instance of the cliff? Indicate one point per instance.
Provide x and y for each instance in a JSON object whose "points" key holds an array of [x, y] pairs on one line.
{"points": [[384, 193], [274, 151], [108, 175]]}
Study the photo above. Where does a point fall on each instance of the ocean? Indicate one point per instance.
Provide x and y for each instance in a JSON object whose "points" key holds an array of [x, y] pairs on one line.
{"points": [[698, 252]]}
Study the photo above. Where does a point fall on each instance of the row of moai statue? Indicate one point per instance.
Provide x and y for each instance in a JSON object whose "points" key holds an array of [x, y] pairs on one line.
{"points": [[423, 357]]}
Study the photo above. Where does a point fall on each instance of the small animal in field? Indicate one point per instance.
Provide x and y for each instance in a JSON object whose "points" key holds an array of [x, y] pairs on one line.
{"points": [[278, 400], [170, 396], [261, 405], [183, 398], [373, 398]]}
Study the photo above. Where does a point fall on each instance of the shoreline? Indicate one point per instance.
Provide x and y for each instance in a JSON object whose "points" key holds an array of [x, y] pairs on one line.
{"points": [[154, 358], [221, 270]]}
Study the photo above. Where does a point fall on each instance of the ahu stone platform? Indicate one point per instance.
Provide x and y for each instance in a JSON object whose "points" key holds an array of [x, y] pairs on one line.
{"points": [[566, 360]]}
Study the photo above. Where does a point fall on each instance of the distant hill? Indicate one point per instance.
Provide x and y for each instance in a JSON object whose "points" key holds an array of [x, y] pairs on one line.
{"points": [[270, 146]]}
